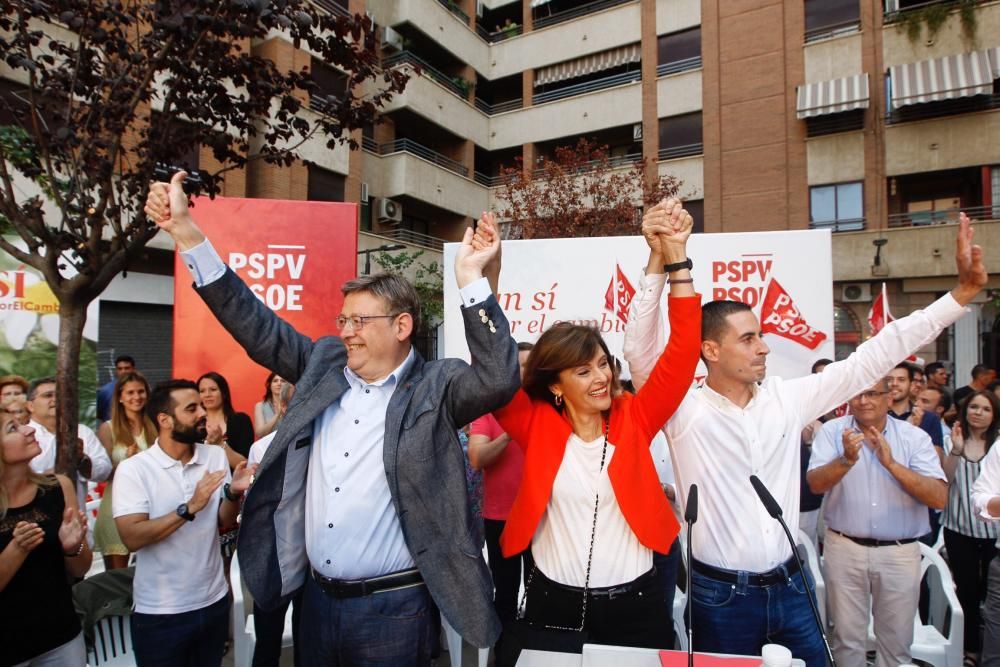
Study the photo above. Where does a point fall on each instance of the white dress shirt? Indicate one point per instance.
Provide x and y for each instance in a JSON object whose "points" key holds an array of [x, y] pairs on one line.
{"points": [[100, 464], [868, 502], [183, 571], [352, 530], [718, 445], [987, 485]]}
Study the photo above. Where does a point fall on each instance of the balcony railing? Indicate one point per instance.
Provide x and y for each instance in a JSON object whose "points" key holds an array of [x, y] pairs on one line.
{"points": [[587, 87], [499, 107], [682, 65], [924, 218], [851, 225], [954, 107], [369, 144], [489, 181], [453, 7], [449, 82], [576, 12], [413, 148], [833, 30], [411, 237], [613, 162], [493, 36], [686, 150], [892, 15], [333, 7]]}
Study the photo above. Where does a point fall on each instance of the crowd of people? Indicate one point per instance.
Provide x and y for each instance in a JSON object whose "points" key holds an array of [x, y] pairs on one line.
{"points": [[358, 505]]}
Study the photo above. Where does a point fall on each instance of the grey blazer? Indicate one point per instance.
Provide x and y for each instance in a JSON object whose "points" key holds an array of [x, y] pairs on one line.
{"points": [[424, 463]]}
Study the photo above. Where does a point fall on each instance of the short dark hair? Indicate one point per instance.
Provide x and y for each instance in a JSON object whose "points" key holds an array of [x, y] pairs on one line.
{"points": [[161, 400], [564, 345], [16, 380], [906, 367], [946, 401], [980, 369], [714, 317], [35, 384], [525, 347], [124, 357], [933, 367], [819, 363], [399, 295]]}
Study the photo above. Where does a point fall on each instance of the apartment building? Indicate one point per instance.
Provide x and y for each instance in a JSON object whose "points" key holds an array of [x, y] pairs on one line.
{"points": [[851, 115]]}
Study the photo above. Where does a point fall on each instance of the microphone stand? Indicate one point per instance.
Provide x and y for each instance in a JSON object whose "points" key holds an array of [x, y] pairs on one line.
{"points": [[774, 509], [690, 517]]}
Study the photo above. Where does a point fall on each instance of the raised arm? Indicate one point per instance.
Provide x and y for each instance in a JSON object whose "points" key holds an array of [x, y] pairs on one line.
{"points": [[818, 393], [491, 379], [269, 340]]}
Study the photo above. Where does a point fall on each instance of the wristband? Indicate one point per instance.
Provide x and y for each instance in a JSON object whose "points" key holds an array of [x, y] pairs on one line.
{"points": [[677, 266], [230, 496], [679, 281], [79, 550]]}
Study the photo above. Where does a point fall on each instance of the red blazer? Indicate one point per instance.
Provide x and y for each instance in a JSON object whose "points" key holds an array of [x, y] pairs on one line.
{"points": [[543, 432]]}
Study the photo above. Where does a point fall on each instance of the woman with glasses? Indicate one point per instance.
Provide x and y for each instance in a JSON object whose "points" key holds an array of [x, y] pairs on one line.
{"points": [[590, 507], [971, 543]]}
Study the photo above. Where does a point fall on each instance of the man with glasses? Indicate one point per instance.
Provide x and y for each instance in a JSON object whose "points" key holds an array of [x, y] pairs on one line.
{"points": [[365, 471], [880, 476]]}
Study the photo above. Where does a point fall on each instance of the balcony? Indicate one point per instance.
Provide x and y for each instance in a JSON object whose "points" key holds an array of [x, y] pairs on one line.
{"points": [[854, 225], [943, 108], [542, 21], [499, 107], [834, 30], [926, 218], [333, 7], [586, 87], [413, 148], [683, 65], [453, 7], [686, 150], [454, 84]]}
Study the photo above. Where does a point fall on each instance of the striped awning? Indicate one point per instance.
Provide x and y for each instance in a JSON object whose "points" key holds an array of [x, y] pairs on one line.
{"points": [[826, 97], [595, 62], [950, 77], [993, 55], [539, 3]]}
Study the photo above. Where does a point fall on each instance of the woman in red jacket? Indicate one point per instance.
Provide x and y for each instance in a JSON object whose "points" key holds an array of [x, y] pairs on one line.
{"points": [[590, 505]]}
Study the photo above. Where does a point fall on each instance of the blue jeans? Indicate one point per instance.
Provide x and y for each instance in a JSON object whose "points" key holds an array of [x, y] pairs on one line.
{"points": [[667, 566], [189, 639], [388, 628], [740, 618]]}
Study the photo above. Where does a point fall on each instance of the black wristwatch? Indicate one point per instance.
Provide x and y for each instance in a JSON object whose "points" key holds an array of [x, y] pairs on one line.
{"points": [[227, 491], [184, 513], [686, 264]]}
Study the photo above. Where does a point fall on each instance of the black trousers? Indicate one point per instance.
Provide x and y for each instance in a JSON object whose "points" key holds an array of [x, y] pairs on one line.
{"points": [[637, 618], [269, 628], [506, 572], [969, 559]]}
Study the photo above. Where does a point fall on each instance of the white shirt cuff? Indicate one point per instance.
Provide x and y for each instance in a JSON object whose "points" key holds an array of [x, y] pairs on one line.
{"points": [[204, 263], [475, 293], [946, 310]]}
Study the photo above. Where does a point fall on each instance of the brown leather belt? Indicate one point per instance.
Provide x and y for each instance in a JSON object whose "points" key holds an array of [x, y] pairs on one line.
{"points": [[869, 542], [344, 588]]}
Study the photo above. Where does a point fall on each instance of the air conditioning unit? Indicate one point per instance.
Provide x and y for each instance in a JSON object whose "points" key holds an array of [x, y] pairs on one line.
{"points": [[856, 292], [391, 39], [389, 211], [364, 193]]}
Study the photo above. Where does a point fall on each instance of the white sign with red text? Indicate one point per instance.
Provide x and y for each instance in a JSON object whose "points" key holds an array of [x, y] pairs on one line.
{"points": [[786, 277]]}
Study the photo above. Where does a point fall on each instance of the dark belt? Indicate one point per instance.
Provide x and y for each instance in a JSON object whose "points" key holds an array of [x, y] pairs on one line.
{"points": [[869, 542], [778, 575], [342, 588], [607, 593]]}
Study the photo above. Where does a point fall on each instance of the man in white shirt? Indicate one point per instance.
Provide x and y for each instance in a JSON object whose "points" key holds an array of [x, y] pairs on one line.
{"points": [[94, 466], [168, 509], [986, 501], [746, 592], [880, 476]]}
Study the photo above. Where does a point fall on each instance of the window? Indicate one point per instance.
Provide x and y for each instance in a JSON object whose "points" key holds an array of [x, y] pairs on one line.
{"points": [[678, 51], [331, 86], [325, 185], [839, 206], [827, 18], [680, 136], [846, 331], [696, 207]]}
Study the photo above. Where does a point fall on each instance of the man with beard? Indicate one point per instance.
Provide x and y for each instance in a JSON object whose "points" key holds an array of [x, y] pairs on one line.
{"points": [[168, 509]]}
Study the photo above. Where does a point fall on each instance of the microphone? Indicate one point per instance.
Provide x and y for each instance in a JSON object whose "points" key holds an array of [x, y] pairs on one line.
{"points": [[690, 516], [774, 509]]}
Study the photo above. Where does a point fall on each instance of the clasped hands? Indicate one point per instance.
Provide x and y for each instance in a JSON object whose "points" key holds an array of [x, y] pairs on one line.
{"points": [[666, 227]]}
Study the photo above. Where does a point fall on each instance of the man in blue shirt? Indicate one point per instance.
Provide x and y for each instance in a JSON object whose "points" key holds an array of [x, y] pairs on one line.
{"points": [[880, 475], [124, 364]]}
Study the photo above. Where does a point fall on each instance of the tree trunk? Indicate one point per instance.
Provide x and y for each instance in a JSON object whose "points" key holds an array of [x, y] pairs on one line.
{"points": [[72, 317]]}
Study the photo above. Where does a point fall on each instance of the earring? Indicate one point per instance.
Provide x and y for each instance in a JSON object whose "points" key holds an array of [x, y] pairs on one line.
{"points": [[558, 399]]}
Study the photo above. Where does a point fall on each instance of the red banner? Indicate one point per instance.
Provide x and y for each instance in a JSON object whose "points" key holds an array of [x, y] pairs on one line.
{"points": [[778, 315], [294, 255]]}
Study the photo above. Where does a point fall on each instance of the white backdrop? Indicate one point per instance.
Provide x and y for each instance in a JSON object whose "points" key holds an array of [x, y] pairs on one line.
{"points": [[550, 280]]}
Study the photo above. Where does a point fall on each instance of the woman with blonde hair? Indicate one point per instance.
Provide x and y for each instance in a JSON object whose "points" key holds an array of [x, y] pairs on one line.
{"points": [[129, 432], [43, 545]]}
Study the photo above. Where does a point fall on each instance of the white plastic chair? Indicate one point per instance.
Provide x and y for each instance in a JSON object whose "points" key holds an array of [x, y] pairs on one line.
{"points": [[812, 563], [940, 641], [244, 635], [112, 643]]}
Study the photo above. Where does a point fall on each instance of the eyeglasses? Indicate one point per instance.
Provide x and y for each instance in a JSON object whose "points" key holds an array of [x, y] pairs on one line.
{"points": [[358, 322], [870, 395]]}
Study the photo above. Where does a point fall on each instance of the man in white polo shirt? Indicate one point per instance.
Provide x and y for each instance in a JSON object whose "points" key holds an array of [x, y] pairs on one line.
{"points": [[168, 509]]}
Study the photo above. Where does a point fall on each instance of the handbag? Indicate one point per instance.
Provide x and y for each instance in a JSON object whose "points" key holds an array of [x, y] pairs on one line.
{"points": [[521, 634]]}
